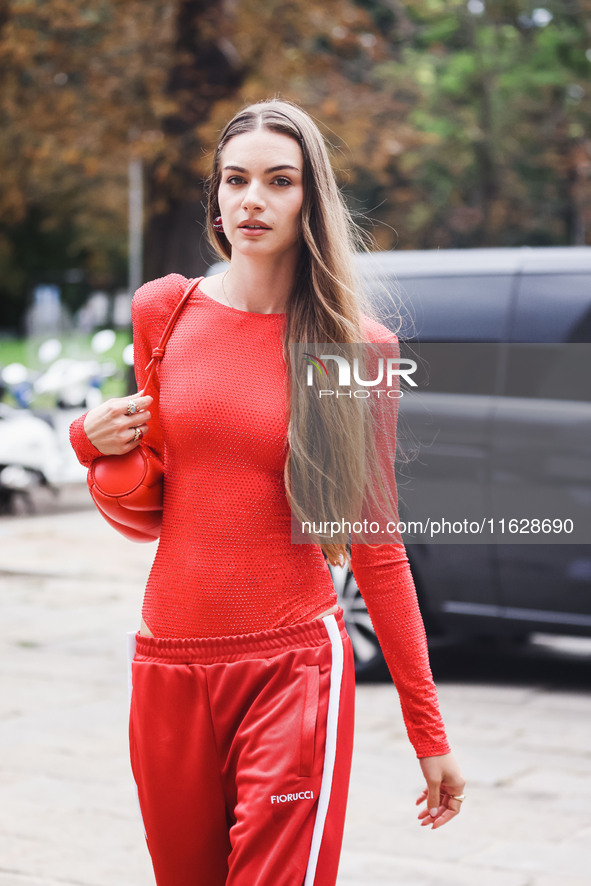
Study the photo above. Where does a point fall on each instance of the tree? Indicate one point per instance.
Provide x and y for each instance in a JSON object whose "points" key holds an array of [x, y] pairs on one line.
{"points": [[82, 89], [453, 123], [499, 97]]}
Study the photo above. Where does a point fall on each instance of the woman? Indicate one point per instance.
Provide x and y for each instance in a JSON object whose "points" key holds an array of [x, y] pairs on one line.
{"points": [[243, 682]]}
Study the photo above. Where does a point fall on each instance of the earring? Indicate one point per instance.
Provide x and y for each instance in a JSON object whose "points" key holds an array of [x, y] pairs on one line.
{"points": [[218, 225]]}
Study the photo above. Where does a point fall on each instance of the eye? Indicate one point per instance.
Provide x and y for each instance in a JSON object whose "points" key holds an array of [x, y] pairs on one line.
{"points": [[234, 180], [282, 181]]}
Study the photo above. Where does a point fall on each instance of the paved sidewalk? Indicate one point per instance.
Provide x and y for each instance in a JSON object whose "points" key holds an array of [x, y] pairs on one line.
{"points": [[71, 588]]}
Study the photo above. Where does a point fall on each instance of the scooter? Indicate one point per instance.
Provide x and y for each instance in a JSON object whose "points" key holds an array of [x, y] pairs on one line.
{"points": [[34, 448], [30, 457]]}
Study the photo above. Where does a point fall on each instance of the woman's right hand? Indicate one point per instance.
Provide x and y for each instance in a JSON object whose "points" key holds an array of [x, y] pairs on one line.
{"points": [[112, 428]]}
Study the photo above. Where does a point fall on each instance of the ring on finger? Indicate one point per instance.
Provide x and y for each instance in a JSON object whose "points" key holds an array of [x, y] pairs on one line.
{"points": [[132, 408], [137, 434], [460, 797]]}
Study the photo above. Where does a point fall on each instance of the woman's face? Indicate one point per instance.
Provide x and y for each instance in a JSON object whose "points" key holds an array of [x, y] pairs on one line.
{"points": [[261, 192]]}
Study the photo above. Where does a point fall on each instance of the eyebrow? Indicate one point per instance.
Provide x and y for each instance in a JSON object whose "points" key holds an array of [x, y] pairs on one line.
{"points": [[267, 171]]}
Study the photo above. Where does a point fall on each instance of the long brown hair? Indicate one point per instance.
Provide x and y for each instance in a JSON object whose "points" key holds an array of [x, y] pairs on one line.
{"points": [[326, 305]]}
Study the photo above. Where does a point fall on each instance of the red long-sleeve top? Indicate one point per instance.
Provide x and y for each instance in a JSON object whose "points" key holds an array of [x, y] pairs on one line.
{"points": [[225, 563]]}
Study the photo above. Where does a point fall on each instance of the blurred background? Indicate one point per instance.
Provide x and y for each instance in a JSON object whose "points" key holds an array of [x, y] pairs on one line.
{"points": [[453, 124]]}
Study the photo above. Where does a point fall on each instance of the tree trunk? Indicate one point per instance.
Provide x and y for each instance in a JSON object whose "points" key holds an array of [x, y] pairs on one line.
{"points": [[208, 70], [175, 241]]}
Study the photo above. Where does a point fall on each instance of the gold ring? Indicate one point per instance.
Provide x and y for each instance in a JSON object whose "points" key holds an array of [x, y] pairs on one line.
{"points": [[138, 434], [460, 798], [132, 408]]}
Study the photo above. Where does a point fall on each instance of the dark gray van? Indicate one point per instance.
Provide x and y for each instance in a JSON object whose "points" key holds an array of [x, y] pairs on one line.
{"points": [[507, 439], [503, 439]]}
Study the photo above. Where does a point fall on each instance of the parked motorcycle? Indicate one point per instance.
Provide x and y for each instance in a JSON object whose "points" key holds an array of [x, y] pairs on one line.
{"points": [[34, 446], [30, 457]]}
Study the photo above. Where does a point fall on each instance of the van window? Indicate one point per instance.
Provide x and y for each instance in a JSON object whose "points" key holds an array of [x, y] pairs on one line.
{"points": [[553, 324], [553, 308], [471, 308]]}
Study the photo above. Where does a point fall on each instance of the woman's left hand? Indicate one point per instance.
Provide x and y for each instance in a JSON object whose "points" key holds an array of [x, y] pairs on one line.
{"points": [[445, 784]]}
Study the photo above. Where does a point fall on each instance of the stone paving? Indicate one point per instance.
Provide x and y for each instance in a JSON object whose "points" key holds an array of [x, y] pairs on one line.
{"points": [[519, 724]]}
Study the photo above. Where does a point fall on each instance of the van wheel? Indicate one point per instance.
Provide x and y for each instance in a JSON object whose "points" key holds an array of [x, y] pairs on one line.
{"points": [[369, 661]]}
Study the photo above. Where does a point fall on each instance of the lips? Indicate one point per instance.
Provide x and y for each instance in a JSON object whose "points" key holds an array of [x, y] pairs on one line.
{"points": [[254, 226]]}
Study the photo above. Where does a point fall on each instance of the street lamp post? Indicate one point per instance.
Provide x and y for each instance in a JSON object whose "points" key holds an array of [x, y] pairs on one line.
{"points": [[136, 223]]}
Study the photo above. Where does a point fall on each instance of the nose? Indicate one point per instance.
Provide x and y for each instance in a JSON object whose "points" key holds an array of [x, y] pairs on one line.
{"points": [[253, 199]]}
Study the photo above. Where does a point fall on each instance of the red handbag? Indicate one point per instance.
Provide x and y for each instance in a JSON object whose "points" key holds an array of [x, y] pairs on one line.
{"points": [[127, 489]]}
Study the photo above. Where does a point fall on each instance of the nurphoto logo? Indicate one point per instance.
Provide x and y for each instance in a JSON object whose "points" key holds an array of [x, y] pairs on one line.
{"points": [[388, 371]]}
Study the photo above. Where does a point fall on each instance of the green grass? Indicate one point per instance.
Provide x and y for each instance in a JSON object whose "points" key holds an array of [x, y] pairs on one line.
{"points": [[13, 351], [25, 351]]}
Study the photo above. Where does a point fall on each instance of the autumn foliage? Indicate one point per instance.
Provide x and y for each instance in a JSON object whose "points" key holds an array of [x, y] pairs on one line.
{"points": [[452, 123]]}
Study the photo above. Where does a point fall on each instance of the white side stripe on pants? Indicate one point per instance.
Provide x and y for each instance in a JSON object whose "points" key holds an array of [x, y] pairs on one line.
{"points": [[332, 721]]}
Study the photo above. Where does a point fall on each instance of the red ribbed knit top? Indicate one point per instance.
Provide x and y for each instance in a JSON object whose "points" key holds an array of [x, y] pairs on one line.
{"points": [[225, 563]]}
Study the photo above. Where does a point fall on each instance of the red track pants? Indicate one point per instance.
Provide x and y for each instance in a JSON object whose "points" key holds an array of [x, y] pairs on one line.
{"points": [[241, 751]]}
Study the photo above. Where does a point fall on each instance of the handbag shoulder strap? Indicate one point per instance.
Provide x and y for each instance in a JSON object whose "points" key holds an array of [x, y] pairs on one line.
{"points": [[158, 352]]}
